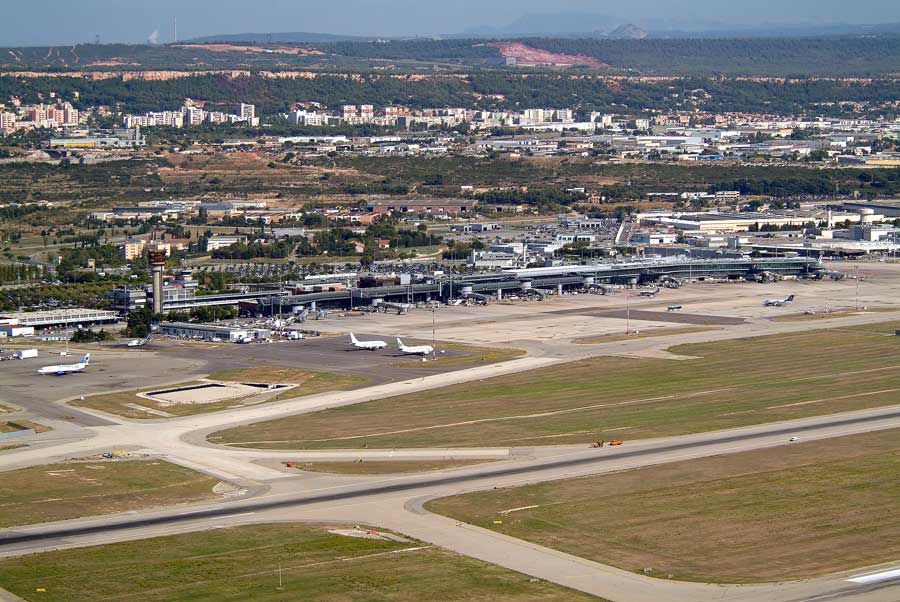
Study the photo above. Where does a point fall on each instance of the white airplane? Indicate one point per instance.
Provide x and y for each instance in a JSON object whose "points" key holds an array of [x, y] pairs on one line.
{"points": [[778, 302], [139, 342], [367, 345], [651, 294], [674, 308], [416, 350], [67, 368]]}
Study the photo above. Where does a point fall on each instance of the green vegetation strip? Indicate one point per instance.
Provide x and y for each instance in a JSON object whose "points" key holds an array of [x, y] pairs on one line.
{"points": [[63, 491], [784, 513], [734, 383], [243, 564]]}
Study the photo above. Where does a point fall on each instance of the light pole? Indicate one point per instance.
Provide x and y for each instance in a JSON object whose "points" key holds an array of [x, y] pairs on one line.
{"points": [[627, 311], [433, 350]]}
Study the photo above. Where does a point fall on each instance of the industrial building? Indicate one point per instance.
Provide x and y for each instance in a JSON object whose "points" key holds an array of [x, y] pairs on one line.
{"points": [[721, 222], [427, 206], [212, 332], [60, 318], [887, 208]]}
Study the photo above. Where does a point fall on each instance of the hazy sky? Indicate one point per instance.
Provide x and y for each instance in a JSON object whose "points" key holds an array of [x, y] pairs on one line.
{"points": [[30, 22]]}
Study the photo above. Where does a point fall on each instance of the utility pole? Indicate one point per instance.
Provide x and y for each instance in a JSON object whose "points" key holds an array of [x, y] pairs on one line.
{"points": [[857, 288], [627, 311], [433, 349]]}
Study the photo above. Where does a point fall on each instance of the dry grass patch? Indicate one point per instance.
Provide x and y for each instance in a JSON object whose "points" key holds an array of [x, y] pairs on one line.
{"points": [[63, 491], [241, 563], [309, 383], [22, 425], [732, 383], [783, 513]]}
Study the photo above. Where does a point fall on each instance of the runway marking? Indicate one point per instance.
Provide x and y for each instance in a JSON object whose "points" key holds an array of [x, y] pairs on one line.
{"points": [[876, 577]]}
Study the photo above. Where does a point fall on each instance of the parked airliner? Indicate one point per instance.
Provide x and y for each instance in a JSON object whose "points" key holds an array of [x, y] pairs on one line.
{"points": [[414, 350], [367, 345], [67, 368]]}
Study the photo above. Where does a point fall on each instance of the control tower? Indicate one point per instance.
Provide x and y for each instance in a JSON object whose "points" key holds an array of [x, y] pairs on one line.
{"points": [[157, 261]]}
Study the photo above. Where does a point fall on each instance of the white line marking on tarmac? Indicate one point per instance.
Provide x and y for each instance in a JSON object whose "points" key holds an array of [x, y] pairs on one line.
{"points": [[876, 577]]}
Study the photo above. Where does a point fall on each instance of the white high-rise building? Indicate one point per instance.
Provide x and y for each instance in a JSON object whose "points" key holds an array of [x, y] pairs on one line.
{"points": [[193, 116]]}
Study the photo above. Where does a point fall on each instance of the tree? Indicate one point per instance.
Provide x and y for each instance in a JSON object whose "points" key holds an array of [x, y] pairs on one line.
{"points": [[139, 322]]}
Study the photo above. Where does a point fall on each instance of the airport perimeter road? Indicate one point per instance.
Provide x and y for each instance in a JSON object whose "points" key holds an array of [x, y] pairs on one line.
{"points": [[396, 503]]}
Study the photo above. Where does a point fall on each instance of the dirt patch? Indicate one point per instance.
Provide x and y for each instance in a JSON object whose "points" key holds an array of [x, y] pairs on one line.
{"points": [[294, 50], [527, 56]]}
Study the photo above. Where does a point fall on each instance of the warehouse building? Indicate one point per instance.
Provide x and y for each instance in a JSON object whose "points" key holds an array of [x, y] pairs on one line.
{"points": [[214, 333], [61, 318]]}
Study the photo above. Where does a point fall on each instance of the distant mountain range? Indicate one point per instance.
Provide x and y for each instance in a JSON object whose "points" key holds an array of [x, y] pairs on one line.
{"points": [[579, 25], [297, 37], [603, 26]]}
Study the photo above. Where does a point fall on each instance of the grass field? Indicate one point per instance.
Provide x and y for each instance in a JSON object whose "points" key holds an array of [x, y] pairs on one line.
{"points": [[63, 491], [241, 563], [385, 467], [785, 513], [647, 334], [734, 383], [309, 383]]}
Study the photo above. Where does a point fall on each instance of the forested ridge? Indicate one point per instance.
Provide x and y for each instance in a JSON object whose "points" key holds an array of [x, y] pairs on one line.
{"points": [[514, 91], [844, 56]]}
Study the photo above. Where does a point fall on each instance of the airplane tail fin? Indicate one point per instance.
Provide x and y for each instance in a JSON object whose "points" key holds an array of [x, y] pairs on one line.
{"points": [[790, 298], [86, 359], [399, 342], [353, 339]]}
